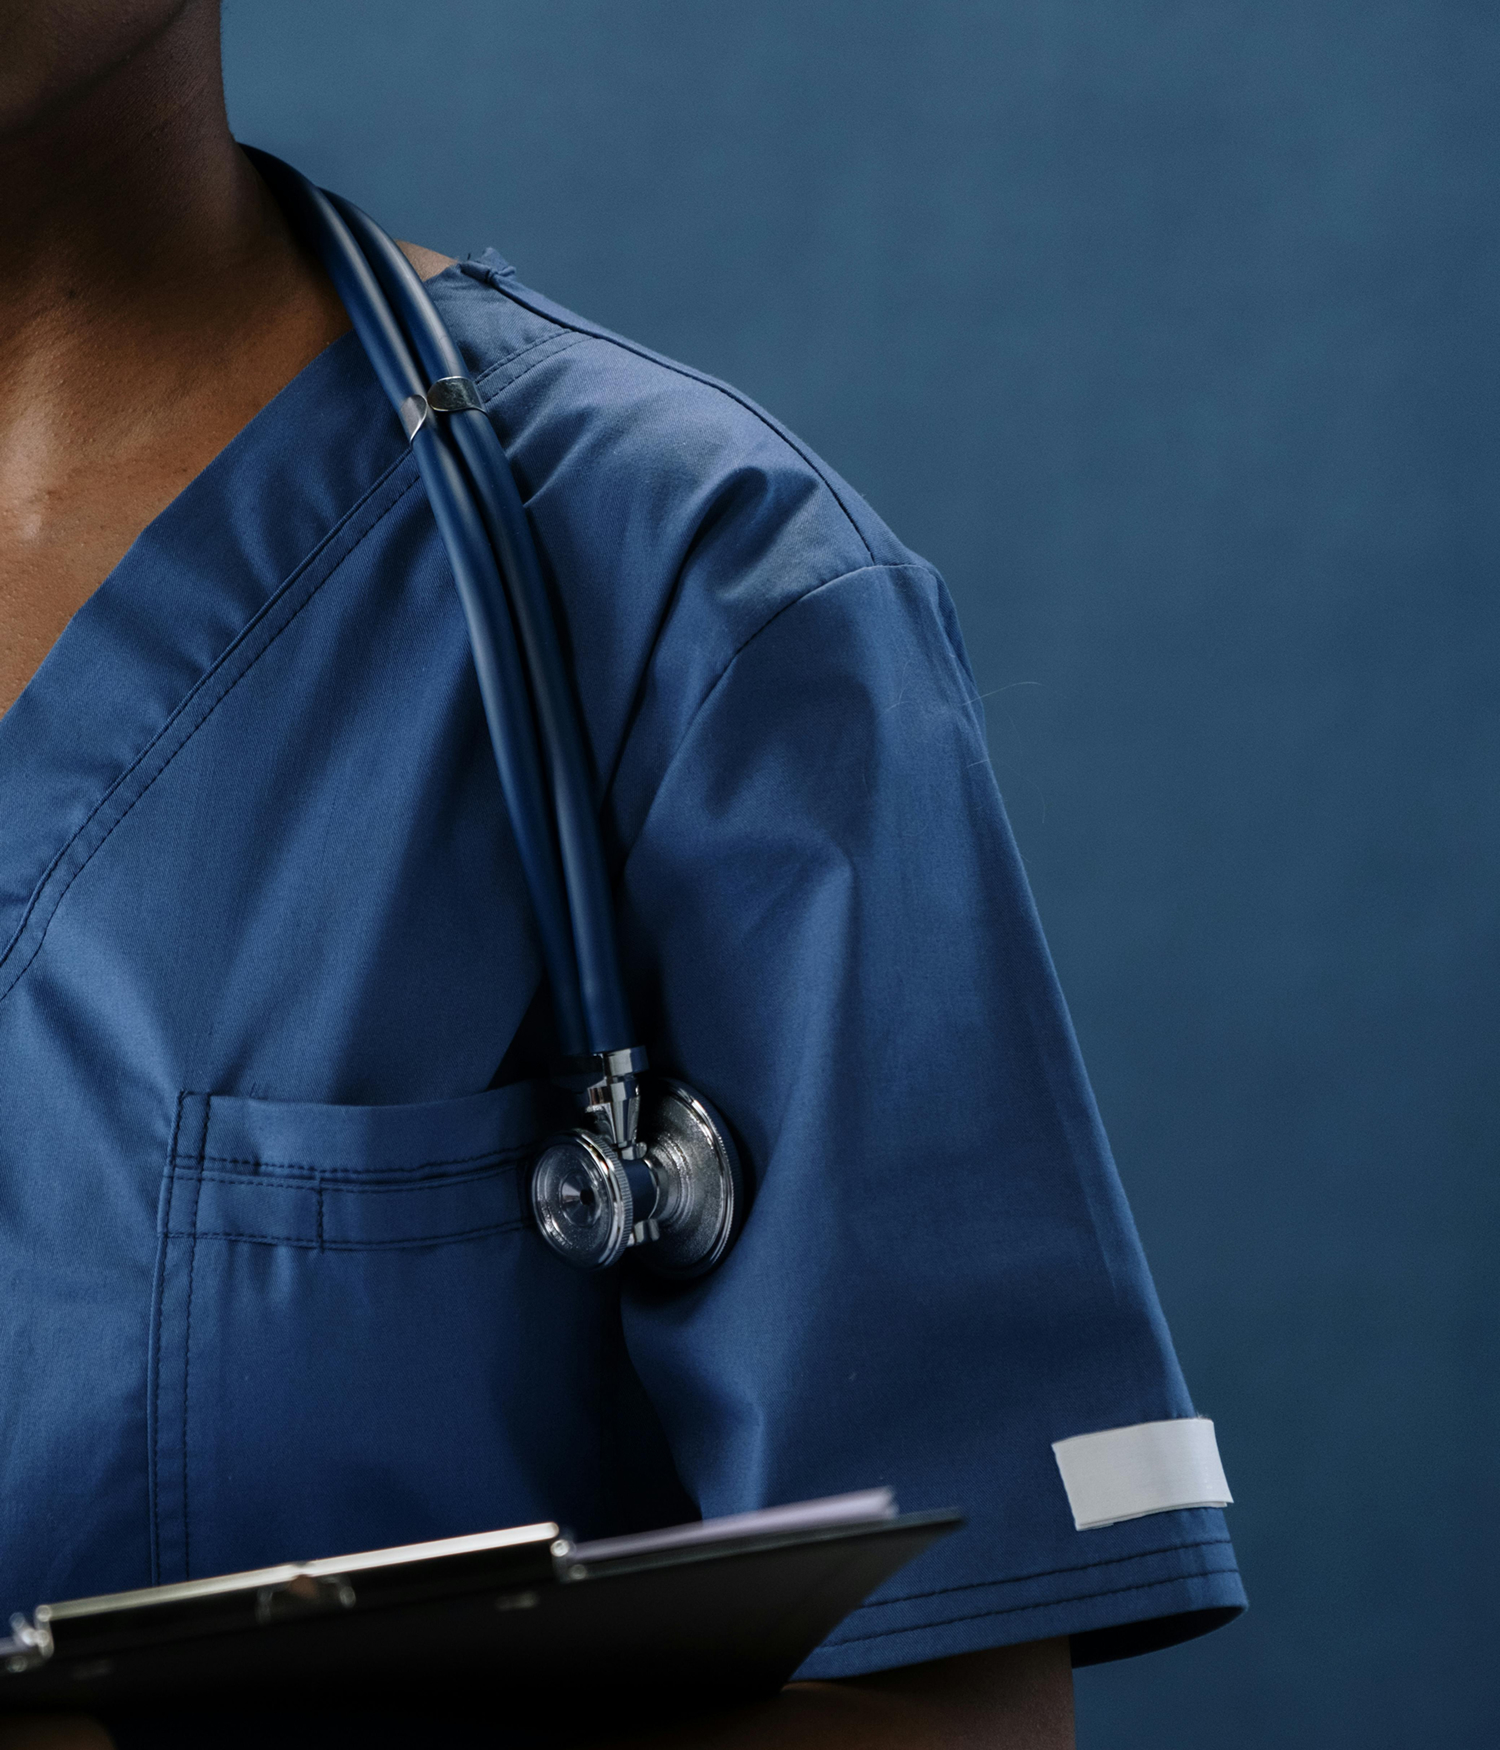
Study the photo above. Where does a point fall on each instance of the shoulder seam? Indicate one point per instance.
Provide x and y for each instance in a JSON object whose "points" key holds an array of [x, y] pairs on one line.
{"points": [[786, 607], [718, 680], [575, 325]]}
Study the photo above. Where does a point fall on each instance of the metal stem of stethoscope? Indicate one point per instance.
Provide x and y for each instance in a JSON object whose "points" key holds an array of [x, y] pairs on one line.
{"points": [[657, 1167]]}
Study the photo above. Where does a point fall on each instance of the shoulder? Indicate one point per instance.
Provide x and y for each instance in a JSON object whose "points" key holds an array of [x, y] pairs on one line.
{"points": [[668, 440], [677, 519]]}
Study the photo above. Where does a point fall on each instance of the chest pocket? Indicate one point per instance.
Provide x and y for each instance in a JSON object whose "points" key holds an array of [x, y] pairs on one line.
{"points": [[358, 1339]]}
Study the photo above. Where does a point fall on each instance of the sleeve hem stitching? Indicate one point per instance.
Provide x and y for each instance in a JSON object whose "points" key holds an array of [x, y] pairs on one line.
{"points": [[1039, 1604], [1170, 1549]]}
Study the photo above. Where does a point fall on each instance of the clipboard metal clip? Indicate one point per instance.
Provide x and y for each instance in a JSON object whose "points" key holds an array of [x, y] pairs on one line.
{"points": [[303, 1595], [29, 1644]]}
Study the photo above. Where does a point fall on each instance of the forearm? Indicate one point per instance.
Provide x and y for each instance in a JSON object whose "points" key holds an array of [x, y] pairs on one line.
{"points": [[1015, 1698]]}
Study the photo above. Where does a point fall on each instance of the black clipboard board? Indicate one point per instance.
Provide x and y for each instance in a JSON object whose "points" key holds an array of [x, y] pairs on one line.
{"points": [[705, 1613]]}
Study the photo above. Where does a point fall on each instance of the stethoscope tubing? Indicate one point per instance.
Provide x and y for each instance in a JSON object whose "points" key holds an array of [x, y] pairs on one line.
{"points": [[566, 766], [484, 597], [654, 1166]]}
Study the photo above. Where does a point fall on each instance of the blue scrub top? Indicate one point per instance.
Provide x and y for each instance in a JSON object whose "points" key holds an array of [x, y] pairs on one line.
{"points": [[269, 1019]]}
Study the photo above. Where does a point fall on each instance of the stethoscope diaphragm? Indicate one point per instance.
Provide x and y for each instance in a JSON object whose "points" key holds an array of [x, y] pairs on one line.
{"points": [[679, 1199]]}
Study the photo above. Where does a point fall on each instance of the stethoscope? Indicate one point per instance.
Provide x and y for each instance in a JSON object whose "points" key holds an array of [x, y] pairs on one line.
{"points": [[652, 1167]]}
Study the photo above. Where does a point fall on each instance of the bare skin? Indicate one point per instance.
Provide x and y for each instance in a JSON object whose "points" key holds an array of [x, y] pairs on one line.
{"points": [[152, 301]]}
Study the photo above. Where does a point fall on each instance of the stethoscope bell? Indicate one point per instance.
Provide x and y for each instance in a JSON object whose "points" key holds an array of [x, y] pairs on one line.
{"points": [[673, 1196]]}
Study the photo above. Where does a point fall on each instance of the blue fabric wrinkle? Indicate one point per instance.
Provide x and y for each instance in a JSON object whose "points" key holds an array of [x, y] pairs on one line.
{"points": [[270, 1289]]}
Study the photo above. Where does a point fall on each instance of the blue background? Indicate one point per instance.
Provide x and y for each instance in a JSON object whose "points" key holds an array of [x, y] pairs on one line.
{"points": [[1167, 332]]}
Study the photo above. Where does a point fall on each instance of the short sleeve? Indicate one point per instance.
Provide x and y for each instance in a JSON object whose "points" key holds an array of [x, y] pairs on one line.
{"points": [[938, 1277]]}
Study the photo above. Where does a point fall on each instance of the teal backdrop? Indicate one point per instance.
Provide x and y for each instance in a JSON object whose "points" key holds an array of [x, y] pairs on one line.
{"points": [[1168, 332]]}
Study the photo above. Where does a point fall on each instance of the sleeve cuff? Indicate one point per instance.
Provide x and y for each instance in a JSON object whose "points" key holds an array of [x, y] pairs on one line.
{"points": [[1112, 1610]]}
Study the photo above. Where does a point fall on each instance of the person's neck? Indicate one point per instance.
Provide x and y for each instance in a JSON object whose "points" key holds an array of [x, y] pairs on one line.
{"points": [[124, 208], [152, 301]]}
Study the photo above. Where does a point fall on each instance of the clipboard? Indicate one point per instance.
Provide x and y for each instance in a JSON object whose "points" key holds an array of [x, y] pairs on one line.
{"points": [[707, 1613]]}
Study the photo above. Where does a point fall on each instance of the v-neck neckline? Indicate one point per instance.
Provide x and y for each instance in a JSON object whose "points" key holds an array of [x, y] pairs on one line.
{"points": [[177, 598]]}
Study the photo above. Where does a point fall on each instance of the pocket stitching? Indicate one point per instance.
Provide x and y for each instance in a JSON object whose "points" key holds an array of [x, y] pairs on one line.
{"points": [[521, 1225], [500, 1166], [513, 1153], [153, 1461], [351, 1188], [187, 1338]]}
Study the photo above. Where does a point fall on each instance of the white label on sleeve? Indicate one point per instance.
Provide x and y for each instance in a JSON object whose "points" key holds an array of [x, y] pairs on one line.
{"points": [[1150, 1467]]}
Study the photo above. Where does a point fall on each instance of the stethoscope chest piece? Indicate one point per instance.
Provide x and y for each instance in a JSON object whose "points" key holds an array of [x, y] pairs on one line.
{"points": [[654, 1168], [581, 1198], [677, 1202], [698, 1177]]}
